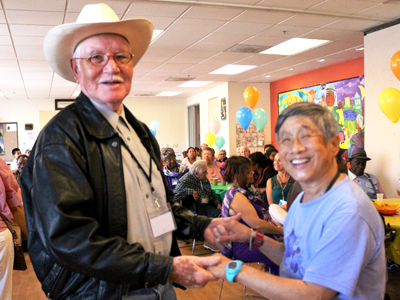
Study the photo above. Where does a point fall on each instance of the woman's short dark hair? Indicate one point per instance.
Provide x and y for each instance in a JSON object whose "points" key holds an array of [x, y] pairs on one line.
{"points": [[190, 148], [237, 168], [270, 151], [258, 158]]}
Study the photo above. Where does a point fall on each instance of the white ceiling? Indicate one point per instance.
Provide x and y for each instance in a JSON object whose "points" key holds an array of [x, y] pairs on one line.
{"points": [[196, 35]]}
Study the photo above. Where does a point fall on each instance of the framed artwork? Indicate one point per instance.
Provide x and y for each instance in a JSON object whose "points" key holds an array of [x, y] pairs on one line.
{"points": [[223, 108], [344, 99], [62, 103]]}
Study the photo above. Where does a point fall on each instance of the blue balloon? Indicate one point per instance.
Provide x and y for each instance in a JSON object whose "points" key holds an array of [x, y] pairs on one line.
{"points": [[153, 132], [244, 117]]}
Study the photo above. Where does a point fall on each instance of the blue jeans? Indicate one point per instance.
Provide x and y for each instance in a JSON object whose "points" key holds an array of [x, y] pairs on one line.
{"points": [[160, 292]]}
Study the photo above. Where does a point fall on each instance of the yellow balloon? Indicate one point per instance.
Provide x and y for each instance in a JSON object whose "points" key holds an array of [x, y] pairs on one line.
{"points": [[209, 138], [389, 103]]}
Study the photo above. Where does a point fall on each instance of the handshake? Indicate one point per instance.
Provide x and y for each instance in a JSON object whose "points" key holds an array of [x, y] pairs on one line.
{"points": [[196, 272]]}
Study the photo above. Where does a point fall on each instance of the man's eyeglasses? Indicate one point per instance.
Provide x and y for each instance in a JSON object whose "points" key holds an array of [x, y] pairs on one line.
{"points": [[98, 59]]}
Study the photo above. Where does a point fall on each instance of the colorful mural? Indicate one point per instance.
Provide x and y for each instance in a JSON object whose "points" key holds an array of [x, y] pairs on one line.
{"points": [[344, 98]]}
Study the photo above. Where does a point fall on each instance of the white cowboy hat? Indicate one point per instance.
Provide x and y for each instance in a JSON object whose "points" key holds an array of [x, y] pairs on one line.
{"points": [[60, 42]]}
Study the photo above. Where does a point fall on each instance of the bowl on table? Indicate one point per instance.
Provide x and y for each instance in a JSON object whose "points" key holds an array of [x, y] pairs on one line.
{"points": [[387, 206]]}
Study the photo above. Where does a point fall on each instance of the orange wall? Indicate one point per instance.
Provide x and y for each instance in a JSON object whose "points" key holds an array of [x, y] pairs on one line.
{"points": [[340, 71]]}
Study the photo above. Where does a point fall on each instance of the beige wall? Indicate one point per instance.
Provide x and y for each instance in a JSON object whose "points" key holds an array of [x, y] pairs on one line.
{"points": [[380, 143]]}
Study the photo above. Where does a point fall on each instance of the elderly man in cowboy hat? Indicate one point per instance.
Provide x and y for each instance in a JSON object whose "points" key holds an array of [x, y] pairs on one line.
{"points": [[368, 182], [334, 245], [99, 215]]}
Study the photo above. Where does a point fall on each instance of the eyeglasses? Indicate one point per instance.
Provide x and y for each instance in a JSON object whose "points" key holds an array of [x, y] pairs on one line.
{"points": [[98, 59]]}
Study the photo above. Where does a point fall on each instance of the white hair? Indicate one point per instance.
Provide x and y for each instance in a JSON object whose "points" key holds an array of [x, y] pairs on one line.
{"points": [[198, 167]]}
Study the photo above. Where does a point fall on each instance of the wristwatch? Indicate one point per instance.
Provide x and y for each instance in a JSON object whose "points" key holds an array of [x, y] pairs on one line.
{"points": [[232, 269]]}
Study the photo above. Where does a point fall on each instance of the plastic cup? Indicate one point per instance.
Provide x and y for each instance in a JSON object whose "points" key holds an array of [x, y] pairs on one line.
{"points": [[215, 181], [379, 197], [223, 183]]}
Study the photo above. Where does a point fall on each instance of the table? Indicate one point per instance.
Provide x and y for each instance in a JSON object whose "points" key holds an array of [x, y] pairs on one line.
{"points": [[220, 190], [393, 252]]}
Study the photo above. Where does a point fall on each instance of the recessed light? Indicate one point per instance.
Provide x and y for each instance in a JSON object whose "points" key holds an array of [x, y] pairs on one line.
{"points": [[168, 94], [360, 49], [232, 69], [268, 76], [156, 33], [294, 46], [195, 83], [291, 69], [321, 60]]}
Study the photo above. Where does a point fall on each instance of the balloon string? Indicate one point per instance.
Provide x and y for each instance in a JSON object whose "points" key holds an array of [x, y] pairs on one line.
{"points": [[394, 129]]}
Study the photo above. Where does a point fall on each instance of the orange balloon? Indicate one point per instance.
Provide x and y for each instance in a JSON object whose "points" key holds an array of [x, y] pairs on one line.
{"points": [[395, 64], [251, 96]]}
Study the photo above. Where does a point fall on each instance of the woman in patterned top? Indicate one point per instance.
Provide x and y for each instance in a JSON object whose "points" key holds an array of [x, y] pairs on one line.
{"points": [[239, 199]]}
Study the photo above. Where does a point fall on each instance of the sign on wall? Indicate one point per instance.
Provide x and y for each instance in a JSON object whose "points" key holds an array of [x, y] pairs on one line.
{"points": [[344, 98]]}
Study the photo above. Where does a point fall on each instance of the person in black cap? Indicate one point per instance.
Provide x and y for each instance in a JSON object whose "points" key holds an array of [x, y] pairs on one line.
{"points": [[368, 182]]}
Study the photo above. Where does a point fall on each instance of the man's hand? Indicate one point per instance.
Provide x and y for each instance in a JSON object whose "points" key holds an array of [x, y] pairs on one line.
{"points": [[231, 232], [219, 270], [211, 234], [195, 195], [189, 272]]}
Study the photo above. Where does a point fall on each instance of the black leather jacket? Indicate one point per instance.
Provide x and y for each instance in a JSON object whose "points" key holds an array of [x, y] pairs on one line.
{"points": [[74, 198]]}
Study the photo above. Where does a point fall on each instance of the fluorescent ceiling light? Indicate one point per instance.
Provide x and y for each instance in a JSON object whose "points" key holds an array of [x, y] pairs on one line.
{"points": [[321, 60], [168, 94], [294, 46], [195, 83], [232, 69], [156, 33], [268, 76]]}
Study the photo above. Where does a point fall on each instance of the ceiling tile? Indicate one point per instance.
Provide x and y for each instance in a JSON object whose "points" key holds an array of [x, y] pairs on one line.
{"points": [[5, 40], [25, 17], [240, 28], [327, 34], [260, 59], [177, 39], [28, 40], [192, 56], [157, 55], [148, 9], [212, 13], [225, 39], [228, 57], [53, 5], [389, 11], [252, 16], [9, 66], [29, 30], [295, 4], [286, 31], [9, 73], [2, 18], [158, 22], [4, 29], [309, 21], [76, 6], [38, 76], [342, 6], [196, 25], [267, 41], [208, 45], [15, 94], [349, 24], [30, 53], [35, 66]]}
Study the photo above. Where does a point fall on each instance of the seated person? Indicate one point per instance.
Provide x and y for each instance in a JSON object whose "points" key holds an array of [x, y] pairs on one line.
{"points": [[191, 158], [270, 153], [279, 186], [21, 161], [222, 156], [173, 171], [213, 167], [184, 154], [244, 151], [268, 146], [15, 152], [263, 170], [368, 182], [194, 192], [239, 199]]}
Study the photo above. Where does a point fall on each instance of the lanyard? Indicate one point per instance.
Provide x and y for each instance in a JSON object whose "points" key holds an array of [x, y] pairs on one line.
{"points": [[329, 186], [148, 177]]}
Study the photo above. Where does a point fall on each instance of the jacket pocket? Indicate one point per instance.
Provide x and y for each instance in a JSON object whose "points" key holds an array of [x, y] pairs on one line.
{"points": [[55, 281]]}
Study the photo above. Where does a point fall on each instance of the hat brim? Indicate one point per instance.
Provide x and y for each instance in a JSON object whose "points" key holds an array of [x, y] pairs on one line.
{"points": [[60, 42], [359, 157]]}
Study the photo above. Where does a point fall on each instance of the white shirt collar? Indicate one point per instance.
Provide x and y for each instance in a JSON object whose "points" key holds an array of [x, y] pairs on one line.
{"points": [[351, 175], [110, 115]]}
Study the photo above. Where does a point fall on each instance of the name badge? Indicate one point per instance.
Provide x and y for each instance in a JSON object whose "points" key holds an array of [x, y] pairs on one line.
{"points": [[162, 224], [174, 182], [204, 200]]}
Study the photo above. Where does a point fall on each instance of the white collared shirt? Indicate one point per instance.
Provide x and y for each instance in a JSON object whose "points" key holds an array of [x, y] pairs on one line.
{"points": [[139, 199]]}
